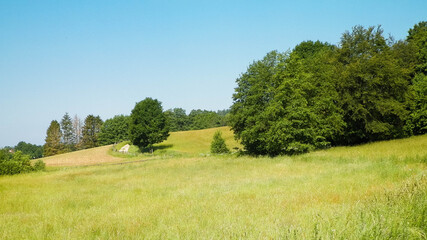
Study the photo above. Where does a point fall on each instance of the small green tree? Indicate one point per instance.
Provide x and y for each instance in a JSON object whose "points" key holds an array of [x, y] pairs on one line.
{"points": [[218, 144], [148, 124]]}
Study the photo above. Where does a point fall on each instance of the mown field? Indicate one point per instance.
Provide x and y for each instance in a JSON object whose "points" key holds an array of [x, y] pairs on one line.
{"points": [[376, 190]]}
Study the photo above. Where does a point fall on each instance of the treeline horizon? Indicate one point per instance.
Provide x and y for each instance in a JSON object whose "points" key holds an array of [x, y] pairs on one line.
{"points": [[366, 88], [74, 134]]}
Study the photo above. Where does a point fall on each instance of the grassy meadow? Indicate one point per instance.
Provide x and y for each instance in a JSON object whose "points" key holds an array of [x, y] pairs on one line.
{"points": [[377, 190]]}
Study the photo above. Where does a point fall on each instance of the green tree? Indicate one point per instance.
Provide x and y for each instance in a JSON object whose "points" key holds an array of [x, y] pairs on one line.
{"points": [[255, 91], [178, 119], [68, 137], [53, 139], [417, 39], [373, 88], [218, 145], [114, 130], [34, 151], [202, 119], [148, 124], [286, 103], [303, 114], [91, 130]]}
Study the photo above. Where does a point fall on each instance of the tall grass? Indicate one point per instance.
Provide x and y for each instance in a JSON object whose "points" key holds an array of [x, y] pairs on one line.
{"points": [[345, 193]]}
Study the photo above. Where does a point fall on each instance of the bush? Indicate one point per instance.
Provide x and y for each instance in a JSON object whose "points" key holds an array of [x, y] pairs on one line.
{"points": [[218, 144], [39, 165], [14, 163]]}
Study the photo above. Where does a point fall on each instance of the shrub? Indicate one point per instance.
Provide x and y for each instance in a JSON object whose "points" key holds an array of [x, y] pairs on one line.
{"points": [[39, 165], [218, 144], [16, 163]]}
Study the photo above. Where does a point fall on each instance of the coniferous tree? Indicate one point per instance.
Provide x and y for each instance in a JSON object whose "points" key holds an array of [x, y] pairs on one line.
{"points": [[68, 137], [53, 139], [90, 131], [218, 145]]}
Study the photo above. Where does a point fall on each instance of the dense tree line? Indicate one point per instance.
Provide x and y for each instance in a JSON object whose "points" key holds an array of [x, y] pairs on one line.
{"points": [[34, 151], [197, 119], [70, 135], [365, 89]]}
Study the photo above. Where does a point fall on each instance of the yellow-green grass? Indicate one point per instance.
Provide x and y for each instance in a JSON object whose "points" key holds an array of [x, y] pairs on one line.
{"points": [[198, 141], [340, 193], [91, 156], [185, 143]]}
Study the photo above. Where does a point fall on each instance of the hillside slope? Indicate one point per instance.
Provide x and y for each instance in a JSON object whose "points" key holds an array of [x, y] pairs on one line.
{"points": [[372, 191], [188, 142], [91, 156], [198, 141]]}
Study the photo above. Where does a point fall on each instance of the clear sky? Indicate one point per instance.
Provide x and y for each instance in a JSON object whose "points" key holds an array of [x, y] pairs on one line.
{"points": [[101, 57]]}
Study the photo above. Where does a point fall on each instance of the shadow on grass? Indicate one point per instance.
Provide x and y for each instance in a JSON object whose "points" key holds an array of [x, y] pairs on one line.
{"points": [[155, 148]]}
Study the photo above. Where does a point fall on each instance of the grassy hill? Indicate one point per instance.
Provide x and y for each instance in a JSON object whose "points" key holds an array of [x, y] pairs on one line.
{"points": [[376, 190], [187, 143], [198, 141]]}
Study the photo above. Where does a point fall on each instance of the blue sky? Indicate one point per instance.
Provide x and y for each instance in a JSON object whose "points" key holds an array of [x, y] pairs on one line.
{"points": [[101, 57]]}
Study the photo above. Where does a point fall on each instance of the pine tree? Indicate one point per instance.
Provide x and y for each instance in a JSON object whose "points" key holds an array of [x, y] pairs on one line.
{"points": [[53, 139], [68, 137], [218, 144], [91, 131]]}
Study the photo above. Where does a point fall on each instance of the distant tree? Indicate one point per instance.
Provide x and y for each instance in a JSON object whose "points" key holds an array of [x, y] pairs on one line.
{"points": [[91, 130], [148, 124], [218, 145], [68, 133], [78, 135], [202, 119], [114, 130], [178, 119], [224, 115], [53, 139], [34, 151]]}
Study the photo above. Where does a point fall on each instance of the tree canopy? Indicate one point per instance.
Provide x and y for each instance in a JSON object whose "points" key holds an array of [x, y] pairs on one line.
{"points": [[114, 130], [91, 130], [318, 95], [148, 123], [34, 151]]}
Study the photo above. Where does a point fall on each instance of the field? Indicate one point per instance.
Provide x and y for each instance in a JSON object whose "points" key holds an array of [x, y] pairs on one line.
{"points": [[377, 190]]}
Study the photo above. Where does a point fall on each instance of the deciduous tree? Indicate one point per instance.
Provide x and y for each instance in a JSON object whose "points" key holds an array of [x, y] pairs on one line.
{"points": [[148, 124]]}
